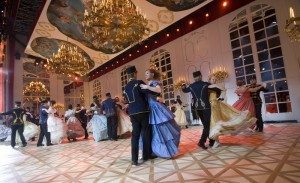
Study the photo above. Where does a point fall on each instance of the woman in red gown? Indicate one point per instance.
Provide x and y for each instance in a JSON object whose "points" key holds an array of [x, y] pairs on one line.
{"points": [[245, 101]]}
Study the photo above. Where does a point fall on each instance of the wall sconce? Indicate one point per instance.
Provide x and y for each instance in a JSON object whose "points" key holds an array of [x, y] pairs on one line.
{"points": [[292, 27]]}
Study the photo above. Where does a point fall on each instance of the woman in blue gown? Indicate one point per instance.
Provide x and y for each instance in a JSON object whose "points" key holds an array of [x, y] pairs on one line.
{"points": [[165, 131], [98, 123]]}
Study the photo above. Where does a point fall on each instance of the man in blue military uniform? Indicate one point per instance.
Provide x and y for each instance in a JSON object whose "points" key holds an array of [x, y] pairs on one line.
{"points": [[109, 106], [199, 91], [138, 110], [18, 123], [43, 125]]}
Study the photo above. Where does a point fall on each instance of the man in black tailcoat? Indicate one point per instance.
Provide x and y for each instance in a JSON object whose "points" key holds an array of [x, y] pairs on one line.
{"points": [[18, 124], [199, 91], [257, 103], [80, 114]]}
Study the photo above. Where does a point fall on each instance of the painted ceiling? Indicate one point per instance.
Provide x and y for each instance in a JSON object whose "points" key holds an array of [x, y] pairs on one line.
{"points": [[60, 22]]}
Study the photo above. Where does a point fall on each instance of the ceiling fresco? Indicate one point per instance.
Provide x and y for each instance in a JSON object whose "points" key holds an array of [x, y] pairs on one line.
{"points": [[176, 5], [47, 46], [63, 18], [67, 16], [34, 69]]}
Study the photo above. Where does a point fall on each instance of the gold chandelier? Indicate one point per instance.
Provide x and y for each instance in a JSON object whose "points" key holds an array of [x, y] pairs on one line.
{"points": [[114, 24], [68, 61], [36, 89], [292, 27]]}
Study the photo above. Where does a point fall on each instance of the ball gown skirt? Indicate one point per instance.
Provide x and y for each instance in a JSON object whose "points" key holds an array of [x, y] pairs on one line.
{"points": [[245, 103], [226, 119], [5, 132], [30, 130], [180, 116], [57, 129], [74, 128], [165, 131], [124, 123], [98, 126]]}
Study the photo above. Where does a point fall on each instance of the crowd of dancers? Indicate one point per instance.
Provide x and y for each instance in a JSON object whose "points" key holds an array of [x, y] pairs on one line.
{"points": [[155, 128]]}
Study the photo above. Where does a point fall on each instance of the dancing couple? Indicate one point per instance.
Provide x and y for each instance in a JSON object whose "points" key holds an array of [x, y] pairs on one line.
{"points": [[217, 117], [151, 120]]}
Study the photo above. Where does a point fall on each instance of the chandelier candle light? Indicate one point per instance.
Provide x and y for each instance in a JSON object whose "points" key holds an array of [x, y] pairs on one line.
{"points": [[220, 73], [36, 88], [68, 61], [114, 23], [292, 27], [178, 83]]}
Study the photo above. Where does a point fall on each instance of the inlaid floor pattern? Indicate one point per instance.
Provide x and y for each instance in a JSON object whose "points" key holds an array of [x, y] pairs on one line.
{"points": [[272, 156]]}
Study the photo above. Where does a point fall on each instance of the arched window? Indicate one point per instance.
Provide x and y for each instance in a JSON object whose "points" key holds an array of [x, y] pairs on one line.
{"points": [[124, 78], [161, 59], [264, 54], [270, 58], [75, 95], [97, 88], [241, 48]]}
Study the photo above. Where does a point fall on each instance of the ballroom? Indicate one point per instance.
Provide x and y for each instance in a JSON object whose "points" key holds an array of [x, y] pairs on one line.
{"points": [[121, 91]]}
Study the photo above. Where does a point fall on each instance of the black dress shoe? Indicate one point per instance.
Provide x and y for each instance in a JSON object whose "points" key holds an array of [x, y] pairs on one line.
{"points": [[39, 145], [50, 144], [134, 163], [211, 142], [152, 157], [24, 145], [202, 146]]}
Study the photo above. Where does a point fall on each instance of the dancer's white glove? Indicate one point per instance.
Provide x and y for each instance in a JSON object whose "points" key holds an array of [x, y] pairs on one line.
{"points": [[143, 86]]}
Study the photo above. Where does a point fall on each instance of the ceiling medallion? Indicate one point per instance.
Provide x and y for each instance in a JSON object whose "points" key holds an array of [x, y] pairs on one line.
{"points": [[114, 23], [68, 61], [153, 25], [165, 16]]}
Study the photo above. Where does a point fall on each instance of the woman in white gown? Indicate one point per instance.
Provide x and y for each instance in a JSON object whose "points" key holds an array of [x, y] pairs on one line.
{"points": [[30, 130], [180, 116], [74, 128], [98, 123], [55, 125], [124, 123], [5, 131]]}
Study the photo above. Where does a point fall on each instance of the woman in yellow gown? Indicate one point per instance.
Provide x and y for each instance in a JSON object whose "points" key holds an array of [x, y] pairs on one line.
{"points": [[225, 119]]}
